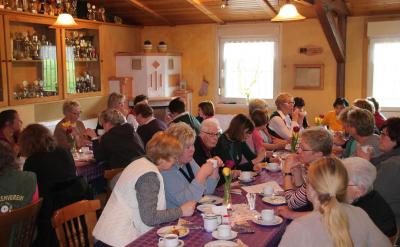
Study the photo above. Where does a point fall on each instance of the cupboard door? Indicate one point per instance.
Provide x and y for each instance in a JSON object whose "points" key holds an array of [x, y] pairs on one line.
{"points": [[3, 73], [82, 61], [33, 54]]}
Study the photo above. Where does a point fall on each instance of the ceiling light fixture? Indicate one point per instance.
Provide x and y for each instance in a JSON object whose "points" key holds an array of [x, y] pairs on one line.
{"points": [[224, 4], [65, 21], [288, 12]]}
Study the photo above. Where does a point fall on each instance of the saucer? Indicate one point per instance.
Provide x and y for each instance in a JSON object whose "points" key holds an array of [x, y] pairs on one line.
{"points": [[210, 199], [232, 236], [219, 243], [275, 200], [277, 220], [276, 169], [205, 208], [247, 180], [180, 244]]}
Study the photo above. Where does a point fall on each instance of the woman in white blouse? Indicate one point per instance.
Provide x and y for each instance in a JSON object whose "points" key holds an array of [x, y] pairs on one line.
{"points": [[333, 222], [285, 118]]}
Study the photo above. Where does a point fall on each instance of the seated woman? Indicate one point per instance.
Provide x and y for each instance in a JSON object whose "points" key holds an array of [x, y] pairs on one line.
{"points": [[333, 222], [131, 117], [387, 181], [120, 144], [17, 188], [360, 193], [285, 118], [316, 142], [148, 124], [261, 137], [118, 102], [71, 125], [10, 128], [186, 180], [300, 104], [56, 176], [379, 118], [137, 202], [232, 147], [331, 119], [206, 110]]}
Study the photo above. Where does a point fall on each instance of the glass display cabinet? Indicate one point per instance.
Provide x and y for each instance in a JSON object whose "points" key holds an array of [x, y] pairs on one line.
{"points": [[82, 62], [33, 55]]}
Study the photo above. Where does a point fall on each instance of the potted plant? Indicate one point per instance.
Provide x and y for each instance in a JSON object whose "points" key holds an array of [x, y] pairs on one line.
{"points": [[162, 46], [147, 46]]}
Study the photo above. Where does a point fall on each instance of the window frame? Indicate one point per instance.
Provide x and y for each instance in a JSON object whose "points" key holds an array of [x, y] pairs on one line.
{"points": [[370, 67]]}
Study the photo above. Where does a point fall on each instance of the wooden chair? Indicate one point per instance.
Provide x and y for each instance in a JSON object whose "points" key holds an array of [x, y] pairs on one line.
{"points": [[74, 223], [18, 226], [109, 175]]}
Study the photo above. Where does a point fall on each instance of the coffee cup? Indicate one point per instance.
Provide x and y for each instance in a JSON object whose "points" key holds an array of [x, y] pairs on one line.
{"points": [[245, 175], [169, 240], [214, 162], [85, 150], [211, 222], [268, 215], [224, 231], [274, 166], [268, 190], [100, 132]]}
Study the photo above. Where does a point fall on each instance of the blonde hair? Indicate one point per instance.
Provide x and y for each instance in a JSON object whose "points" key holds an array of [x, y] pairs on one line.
{"points": [[69, 105], [282, 98], [257, 104], [328, 177], [319, 139], [183, 132], [163, 146]]}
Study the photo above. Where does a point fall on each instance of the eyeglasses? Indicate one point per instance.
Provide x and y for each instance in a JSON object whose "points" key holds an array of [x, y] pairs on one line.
{"points": [[76, 112], [301, 149], [218, 134], [290, 102]]}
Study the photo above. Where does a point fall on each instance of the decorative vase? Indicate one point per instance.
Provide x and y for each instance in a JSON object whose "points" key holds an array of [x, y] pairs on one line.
{"points": [[162, 48], [72, 143], [147, 48], [227, 193]]}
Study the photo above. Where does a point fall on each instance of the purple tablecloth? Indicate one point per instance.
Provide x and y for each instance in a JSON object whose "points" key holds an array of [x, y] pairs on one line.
{"points": [[89, 169], [263, 236]]}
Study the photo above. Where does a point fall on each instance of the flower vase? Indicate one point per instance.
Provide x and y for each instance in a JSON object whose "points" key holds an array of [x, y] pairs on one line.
{"points": [[72, 143], [293, 144], [227, 193]]}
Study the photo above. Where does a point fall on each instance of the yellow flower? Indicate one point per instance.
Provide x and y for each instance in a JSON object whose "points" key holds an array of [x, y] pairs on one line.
{"points": [[226, 171], [66, 124]]}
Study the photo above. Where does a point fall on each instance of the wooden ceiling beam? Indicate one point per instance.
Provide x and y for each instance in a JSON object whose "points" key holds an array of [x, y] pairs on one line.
{"points": [[202, 8], [268, 4], [146, 9], [337, 6]]}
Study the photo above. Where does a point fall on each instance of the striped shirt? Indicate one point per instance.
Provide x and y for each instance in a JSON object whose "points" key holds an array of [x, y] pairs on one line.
{"points": [[297, 198]]}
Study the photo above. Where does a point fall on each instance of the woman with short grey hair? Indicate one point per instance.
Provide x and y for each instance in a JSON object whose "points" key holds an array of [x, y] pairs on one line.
{"points": [[120, 144], [360, 193]]}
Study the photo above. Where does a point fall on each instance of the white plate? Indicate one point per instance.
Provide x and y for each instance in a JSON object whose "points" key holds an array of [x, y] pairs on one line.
{"points": [[205, 208], [180, 244], [274, 200], [183, 231], [247, 180], [221, 243], [269, 168], [210, 199], [232, 236], [277, 220]]}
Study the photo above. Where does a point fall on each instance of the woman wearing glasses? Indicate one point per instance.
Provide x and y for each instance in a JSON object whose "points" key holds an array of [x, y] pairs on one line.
{"points": [[316, 142], [71, 122], [285, 118]]}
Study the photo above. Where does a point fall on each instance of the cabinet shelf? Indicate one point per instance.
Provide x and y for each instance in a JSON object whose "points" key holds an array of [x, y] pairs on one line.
{"points": [[27, 61]]}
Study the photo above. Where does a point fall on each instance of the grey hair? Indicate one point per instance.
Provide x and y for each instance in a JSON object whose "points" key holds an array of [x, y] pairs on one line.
{"points": [[257, 104], [209, 122], [361, 172], [112, 116]]}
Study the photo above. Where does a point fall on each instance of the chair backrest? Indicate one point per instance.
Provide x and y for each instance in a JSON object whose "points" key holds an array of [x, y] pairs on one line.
{"points": [[18, 226], [109, 175], [74, 223]]}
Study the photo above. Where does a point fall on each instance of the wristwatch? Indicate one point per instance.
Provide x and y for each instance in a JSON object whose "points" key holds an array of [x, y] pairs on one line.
{"points": [[287, 174]]}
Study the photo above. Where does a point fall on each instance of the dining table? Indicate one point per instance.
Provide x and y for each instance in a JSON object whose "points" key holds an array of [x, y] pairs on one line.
{"points": [[262, 236]]}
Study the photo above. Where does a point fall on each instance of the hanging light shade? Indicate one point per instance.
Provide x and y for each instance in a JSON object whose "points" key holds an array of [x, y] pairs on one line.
{"points": [[288, 12], [65, 21]]}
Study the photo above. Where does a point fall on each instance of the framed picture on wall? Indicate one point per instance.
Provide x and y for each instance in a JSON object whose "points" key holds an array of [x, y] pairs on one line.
{"points": [[308, 76]]}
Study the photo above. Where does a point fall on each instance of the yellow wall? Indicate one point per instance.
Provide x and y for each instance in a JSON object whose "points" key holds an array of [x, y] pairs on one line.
{"points": [[115, 38], [198, 43]]}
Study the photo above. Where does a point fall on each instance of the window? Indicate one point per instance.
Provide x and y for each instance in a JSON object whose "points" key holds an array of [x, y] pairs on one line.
{"points": [[383, 63], [248, 63], [385, 71]]}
